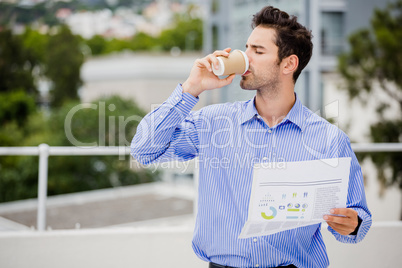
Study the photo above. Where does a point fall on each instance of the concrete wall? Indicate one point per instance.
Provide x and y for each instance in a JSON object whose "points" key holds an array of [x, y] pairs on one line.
{"points": [[169, 247], [381, 248], [148, 79]]}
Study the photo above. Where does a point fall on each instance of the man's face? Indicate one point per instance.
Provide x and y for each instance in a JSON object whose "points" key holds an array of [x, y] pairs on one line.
{"points": [[262, 53]]}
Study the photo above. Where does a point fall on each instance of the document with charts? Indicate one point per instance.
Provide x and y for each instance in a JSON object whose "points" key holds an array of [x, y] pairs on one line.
{"points": [[295, 194]]}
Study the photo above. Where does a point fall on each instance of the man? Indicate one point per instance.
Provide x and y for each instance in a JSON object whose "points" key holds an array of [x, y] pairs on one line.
{"points": [[229, 138]]}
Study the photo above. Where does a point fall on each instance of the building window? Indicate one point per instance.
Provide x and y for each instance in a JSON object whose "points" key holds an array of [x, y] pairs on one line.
{"points": [[332, 33]]}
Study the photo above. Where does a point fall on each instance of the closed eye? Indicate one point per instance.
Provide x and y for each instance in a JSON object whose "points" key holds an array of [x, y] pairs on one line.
{"points": [[257, 48]]}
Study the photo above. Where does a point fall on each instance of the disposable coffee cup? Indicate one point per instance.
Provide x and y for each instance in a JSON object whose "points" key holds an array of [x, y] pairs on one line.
{"points": [[235, 63]]}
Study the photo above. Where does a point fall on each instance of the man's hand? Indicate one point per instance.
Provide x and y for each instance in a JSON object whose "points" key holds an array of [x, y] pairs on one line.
{"points": [[344, 224], [201, 76]]}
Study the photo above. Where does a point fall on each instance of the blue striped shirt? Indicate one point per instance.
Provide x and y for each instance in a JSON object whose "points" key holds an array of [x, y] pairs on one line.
{"points": [[228, 139]]}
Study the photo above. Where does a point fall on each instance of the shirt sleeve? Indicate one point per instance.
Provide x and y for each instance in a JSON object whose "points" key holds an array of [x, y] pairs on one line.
{"points": [[168, 133], [356, 198]]}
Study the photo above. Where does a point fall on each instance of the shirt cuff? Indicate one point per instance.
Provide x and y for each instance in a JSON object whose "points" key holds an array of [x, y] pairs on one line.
{"points": [[364, 227], [357, 227], [184, 102]]}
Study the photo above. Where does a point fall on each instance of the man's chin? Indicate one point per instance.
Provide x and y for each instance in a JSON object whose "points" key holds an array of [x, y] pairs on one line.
{"points": [[243, 82], [245, 85]]}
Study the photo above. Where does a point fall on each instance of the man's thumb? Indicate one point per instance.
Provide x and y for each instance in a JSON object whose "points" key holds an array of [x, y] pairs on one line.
{"points": [[226, 81]]}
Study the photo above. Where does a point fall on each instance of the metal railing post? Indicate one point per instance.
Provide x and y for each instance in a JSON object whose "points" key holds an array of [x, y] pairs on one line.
{"points": [[42, 186]]}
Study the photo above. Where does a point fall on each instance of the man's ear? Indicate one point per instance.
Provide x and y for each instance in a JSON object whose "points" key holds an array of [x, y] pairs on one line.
{"points": [[290, 64]]}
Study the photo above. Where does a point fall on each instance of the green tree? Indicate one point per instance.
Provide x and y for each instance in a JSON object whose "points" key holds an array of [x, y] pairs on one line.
{"points": [[15, 106], [186, 33], [115, 45], [110, 122], [63, 62], [15, 65], [97, 44], [35, 45], [374, 60], [143, 41], [17, 88]]}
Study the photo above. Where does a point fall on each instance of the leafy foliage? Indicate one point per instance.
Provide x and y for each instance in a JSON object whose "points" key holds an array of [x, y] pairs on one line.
{"points": [[185, 33], [28, 56], [63, 60], [57, 57], [143, 41], [17, 89], [67, 174], [15, 106], [107, 122], [375, 61], [15, 64], [97, 44], [35, 44]]}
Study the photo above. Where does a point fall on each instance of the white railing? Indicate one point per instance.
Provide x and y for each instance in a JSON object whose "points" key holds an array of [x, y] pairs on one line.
{"points": [[44, 151]]}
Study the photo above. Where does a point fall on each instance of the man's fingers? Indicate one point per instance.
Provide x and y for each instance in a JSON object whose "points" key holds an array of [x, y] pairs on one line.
{"points": [[213, 60], [204, 63], [345, 223], [340, 228], [337, 219], [224, 52], [228, 49], [226, 81], [348, 212], [353, 222]]}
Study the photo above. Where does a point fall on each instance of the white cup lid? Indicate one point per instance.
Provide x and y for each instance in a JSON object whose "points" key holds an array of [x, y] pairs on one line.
{"points": [[221, 68], [247, 63]]}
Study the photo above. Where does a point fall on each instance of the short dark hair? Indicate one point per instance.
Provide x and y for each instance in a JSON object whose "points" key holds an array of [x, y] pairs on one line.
{"points": [[291, 36]]}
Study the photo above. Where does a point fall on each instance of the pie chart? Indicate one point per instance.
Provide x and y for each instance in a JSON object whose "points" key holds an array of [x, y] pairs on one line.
{"points": [[273, 214]]}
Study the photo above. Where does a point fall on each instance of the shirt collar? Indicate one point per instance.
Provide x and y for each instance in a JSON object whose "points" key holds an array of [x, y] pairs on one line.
{"points": [[250, 112], [295, 114]]}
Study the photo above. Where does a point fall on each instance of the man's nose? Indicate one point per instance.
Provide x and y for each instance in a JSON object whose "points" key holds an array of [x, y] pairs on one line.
{"points": [[248, 54]]}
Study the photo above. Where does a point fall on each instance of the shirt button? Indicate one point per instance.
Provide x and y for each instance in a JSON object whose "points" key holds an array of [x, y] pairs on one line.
{"points": [[160, 116], [269, 131], [183, 102], [177, 98], [258, 116], [255, 240], [257, 265]]}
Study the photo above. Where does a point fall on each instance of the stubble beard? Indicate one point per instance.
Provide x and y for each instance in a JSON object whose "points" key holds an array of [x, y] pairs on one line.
{"points": [[268, 85]]}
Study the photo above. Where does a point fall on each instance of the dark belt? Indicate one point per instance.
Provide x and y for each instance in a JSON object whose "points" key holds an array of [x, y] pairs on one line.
{"points": [[214, 265]]}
